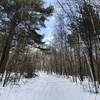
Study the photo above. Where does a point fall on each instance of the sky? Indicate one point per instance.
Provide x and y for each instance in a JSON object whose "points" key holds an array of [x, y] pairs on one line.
{"points": [[49, 30]]}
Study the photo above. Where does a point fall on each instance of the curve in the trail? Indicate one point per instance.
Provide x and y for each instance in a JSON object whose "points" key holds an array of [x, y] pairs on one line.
{"points": [[46, 87]]}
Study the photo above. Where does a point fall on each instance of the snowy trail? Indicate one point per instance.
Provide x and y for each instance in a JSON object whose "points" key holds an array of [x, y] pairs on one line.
{"points": [[46, 87]]}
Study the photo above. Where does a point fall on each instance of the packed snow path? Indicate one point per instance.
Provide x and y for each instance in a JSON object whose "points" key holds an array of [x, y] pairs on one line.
{"points": [[46, 87]]}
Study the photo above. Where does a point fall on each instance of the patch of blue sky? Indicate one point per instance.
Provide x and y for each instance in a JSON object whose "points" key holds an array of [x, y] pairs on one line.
{"points": [[50, 23]]}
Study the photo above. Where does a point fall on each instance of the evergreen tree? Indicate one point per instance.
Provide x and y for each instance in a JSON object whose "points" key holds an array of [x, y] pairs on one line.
{"points": [[23, 19]]}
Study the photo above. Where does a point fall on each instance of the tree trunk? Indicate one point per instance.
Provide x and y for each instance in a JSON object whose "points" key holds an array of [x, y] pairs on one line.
{"points": [[6, 49]]}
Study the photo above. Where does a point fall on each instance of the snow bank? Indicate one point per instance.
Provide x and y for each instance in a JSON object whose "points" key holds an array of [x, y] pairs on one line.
{"points": [[46, 87]]}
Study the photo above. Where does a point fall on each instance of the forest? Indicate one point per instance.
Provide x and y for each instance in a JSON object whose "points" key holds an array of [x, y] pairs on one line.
{"points": [[74, 50]]}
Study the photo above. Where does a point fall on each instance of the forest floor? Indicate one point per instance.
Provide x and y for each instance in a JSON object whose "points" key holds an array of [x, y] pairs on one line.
{"points": [[46, 87]]}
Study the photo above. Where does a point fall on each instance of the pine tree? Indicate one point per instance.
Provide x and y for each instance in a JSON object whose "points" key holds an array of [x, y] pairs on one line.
{"points": [[26, 16]]}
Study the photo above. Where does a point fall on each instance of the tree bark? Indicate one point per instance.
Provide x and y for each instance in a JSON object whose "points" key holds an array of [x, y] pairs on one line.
{"points": [[6, 49]]}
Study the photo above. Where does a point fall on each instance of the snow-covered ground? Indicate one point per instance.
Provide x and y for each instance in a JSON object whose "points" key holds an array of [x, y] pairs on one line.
{"points": [[46, 87]]}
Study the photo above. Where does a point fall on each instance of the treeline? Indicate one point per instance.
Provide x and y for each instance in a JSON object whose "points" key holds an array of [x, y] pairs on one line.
{"points": [[75, 49], [20, 22]]}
